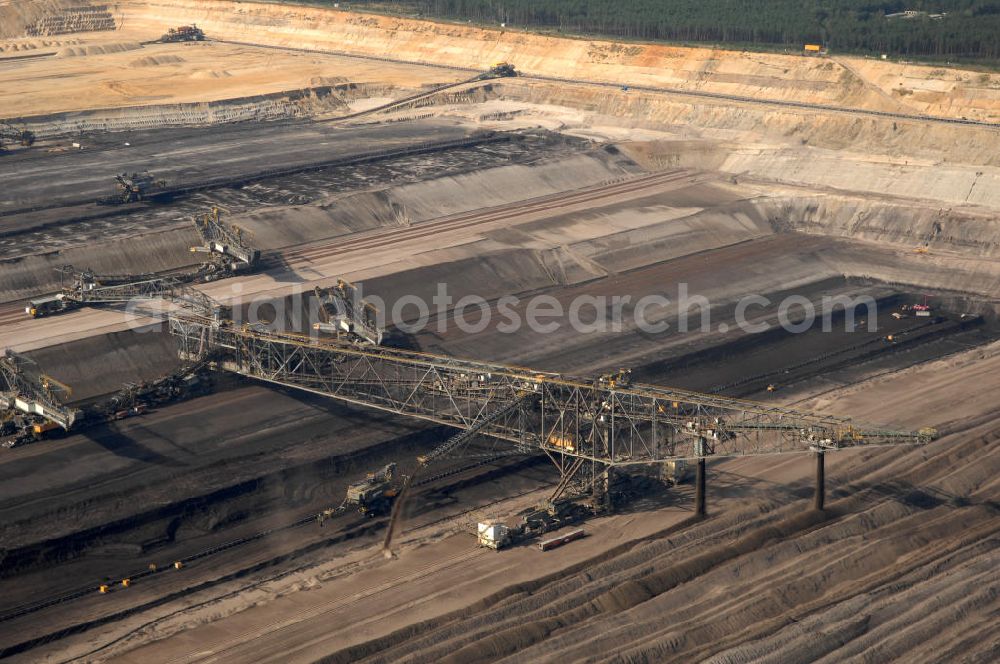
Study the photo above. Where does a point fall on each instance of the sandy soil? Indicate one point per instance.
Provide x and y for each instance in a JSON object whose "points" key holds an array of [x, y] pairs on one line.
{"points": [[848, 82], [157, 74]]}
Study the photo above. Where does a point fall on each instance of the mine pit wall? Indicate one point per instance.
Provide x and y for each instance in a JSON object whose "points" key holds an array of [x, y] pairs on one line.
{"points": [[748, 125], [972, 234], [953, 164], [785, 77], [307, 102], [431, 199], [36, 18], [165, 251], [279, 226], [100, 366], [963, 247], [879, 238], [78, 18]]}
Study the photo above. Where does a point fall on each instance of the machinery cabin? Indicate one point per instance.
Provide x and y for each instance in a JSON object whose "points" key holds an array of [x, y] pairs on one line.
{"points": [[374, 494], [43, 306]]}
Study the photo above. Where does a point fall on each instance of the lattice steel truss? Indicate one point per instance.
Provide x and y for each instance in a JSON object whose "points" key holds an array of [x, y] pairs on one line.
{"points": [[596, 424], [24, 387], [226, 240], [89, 288], [341, 310]]}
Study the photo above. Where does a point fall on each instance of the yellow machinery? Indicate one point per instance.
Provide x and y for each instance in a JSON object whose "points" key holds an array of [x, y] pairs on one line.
{"points": [[564, 443], [500, 70], [620, 379], [375, 493], [43, 427]]}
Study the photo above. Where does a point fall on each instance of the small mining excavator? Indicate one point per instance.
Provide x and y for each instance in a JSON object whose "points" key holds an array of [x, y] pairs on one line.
{"points": [[31, 403], [185, 33], [229, 246], [132, 188], [371, 496], [342, 311], [9, 134], [500, 70]]}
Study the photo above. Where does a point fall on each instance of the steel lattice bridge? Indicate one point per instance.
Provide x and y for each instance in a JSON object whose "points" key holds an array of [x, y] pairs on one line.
{"points": [[587, 427]]}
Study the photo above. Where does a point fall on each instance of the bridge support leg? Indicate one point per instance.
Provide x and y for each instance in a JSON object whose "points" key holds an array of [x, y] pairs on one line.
{"points": [[601, 497], [699, 489], [819, 498]]}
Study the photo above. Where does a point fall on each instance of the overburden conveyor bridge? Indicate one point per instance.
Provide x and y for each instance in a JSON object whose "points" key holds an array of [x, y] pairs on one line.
{"points": [[588, 427]]}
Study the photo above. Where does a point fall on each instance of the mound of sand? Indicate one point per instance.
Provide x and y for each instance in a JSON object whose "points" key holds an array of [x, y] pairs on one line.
{"points": [[156, 60], [34, 44], [211, 73], [328, 80], [97, 49], [19, 46]]}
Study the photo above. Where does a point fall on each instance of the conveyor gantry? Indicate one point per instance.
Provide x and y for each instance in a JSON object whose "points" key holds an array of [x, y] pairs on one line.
{"points": [[89, 288], [24, 387], [341, 310], [594, 424], [229, 242]]}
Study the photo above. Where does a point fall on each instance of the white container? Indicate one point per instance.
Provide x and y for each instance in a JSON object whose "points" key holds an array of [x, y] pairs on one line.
{"points": [[493, 535]]}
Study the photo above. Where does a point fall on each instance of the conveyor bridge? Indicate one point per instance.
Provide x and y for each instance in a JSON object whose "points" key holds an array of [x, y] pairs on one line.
{"points": [[584, 425]]}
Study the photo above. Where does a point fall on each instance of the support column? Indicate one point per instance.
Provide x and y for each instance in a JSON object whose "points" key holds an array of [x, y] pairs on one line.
{"points": [[602, 490], [820, 496], [699, 489]]}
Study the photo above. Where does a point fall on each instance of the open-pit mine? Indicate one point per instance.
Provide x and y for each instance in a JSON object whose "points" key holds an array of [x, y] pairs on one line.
{"points": [[330, 336]]}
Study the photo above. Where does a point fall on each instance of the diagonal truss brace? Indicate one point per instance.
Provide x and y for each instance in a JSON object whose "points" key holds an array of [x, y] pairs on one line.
{"points": [[463, 437], [606, 423], [24, 387]]}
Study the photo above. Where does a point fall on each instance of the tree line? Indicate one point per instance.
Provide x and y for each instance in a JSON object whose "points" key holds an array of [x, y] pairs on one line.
{"points": [[969, 29]]}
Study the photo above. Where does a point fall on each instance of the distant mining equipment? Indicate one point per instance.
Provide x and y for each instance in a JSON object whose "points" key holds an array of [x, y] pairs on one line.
{"points": [[132, 188], [343, 313], [499, 70], [230, 248], [231, 252], [185, 33], [33, 405], [10, 134]]}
